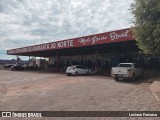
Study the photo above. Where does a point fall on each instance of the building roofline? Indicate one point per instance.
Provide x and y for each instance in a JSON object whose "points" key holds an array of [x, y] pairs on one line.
{"points": [[78, 42]]}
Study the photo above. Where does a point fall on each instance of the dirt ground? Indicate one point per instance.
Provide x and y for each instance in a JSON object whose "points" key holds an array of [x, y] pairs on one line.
{"points": [[34, 91]]}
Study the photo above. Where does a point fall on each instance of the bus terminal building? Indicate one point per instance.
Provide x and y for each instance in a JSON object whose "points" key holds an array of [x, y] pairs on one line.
{"points": [[99, 51]]}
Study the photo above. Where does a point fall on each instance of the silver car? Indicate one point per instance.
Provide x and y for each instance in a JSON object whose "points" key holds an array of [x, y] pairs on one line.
{"points": [[77, 70]]}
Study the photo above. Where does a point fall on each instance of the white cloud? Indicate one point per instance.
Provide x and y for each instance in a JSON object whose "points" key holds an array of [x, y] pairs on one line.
{"points": [[29, 22]]}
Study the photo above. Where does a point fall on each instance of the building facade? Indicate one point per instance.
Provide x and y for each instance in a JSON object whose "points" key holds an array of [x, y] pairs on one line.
{"points": [[99, 51]]}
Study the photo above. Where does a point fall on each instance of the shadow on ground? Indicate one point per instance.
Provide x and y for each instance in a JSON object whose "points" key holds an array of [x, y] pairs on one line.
{"points": [[149, 77]]}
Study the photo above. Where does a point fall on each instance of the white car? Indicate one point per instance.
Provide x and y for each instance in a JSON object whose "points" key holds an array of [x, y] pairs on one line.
{"points": [[77, 70], [127, 70]]}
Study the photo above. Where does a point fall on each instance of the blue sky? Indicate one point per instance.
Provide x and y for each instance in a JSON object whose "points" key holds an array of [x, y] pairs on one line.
{"points": [[30, 22]]}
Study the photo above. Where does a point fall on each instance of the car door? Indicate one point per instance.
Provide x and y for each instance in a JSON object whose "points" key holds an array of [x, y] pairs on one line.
{"points": [[79, 70], [84, 71]]}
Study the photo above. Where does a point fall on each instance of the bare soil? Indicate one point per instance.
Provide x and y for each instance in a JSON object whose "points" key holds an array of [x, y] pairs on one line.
{"points": [[33, 91]]}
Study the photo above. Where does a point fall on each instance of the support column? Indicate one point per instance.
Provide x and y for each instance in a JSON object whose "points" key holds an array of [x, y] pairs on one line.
{"points": [[35, 62], [18, 59], [29, 61], [82, 60], [57, 62], [96, 59]]}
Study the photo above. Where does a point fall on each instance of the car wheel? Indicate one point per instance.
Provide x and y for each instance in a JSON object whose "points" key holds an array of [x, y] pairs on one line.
{"points": [[116, 78], [76, 73], [87, 72]]}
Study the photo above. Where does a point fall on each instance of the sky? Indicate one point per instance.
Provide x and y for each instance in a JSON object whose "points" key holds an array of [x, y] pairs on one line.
{"points": [[29, 22]]}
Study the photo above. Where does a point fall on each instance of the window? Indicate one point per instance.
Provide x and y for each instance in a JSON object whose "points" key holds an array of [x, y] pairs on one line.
{"points": [[80, 67]]}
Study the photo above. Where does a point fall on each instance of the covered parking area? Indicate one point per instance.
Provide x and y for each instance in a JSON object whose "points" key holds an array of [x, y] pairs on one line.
{"points": [[98, 51]]}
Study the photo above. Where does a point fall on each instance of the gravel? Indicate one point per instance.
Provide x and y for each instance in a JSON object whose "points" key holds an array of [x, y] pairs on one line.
{"points": [[33, 91]]}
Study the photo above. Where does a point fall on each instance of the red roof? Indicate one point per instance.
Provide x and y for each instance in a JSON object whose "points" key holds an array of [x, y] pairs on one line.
{"points": [[102, 38]]}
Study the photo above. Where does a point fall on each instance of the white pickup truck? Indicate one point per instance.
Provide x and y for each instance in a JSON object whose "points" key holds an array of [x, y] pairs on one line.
{"points": [[127, 71]]}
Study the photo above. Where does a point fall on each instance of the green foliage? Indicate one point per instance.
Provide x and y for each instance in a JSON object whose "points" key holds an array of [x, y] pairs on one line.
{"points": [[147, 25]]}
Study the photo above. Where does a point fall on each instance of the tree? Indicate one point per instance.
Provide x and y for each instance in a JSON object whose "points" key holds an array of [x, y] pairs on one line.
{"points": [[147, 25], [18, 59]]}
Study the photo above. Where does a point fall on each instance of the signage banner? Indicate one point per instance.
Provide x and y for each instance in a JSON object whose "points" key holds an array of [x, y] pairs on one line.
{"points": [[102, 38]]}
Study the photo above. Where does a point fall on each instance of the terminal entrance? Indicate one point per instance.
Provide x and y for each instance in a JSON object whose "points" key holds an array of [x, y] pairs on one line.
{"points": [[100, 57]]}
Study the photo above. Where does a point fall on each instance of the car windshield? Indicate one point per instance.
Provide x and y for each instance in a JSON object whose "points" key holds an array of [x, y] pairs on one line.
{"points": [[71, 66], [125, 65]]}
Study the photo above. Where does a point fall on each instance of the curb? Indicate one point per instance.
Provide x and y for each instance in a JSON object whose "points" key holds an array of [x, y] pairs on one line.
{"points": [[155, 96]]}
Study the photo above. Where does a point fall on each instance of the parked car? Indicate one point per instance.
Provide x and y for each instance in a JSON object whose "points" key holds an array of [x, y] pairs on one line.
{"points": [[77, 70], [127, 71], [17, 67], [8, 66]]}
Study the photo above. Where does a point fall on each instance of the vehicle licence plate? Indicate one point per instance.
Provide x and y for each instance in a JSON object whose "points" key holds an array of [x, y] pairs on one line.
{"points": [[119, 75]]}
